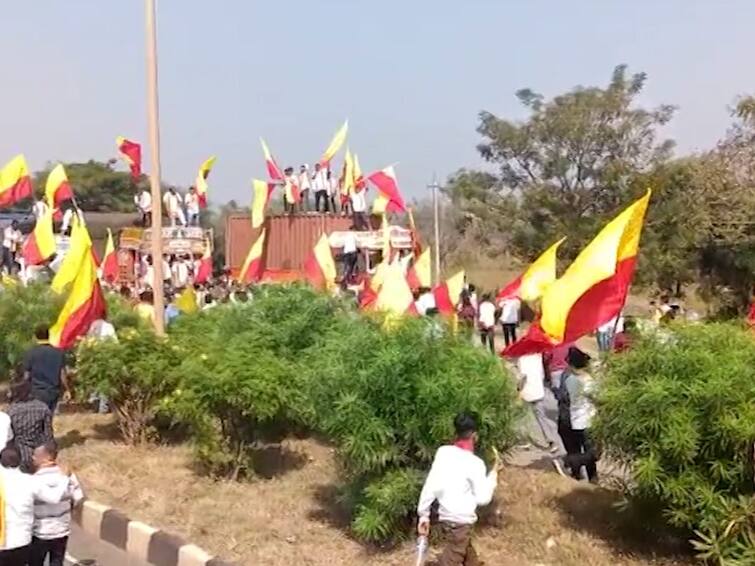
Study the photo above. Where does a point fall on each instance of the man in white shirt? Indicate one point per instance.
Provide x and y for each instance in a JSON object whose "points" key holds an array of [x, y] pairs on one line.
{"points": [[320, 187], [52, 521], [20, 493], [333, 190], [180, 272], [143, 201], [486, 322], [39, 208], [359, 208], [425, 302], [532, 391], [11, 239], [459, 482], [304, 186], [509, 318], [192, 206], [350, 255], [172, 202]]}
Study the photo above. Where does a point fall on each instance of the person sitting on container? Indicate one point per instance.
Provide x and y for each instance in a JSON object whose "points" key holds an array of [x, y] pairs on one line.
{"points": [[192, 206]]}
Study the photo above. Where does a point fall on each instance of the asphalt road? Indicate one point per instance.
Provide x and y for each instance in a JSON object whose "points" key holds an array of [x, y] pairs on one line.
{"points": [[86, 550]]}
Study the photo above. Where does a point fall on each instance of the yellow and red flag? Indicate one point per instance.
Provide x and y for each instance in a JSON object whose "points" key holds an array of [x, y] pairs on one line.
{"points": [[201, 182], [57, 188], [261, 193], [109, 263], [319, 267], [389, 197], [131, 153], [448, 294], [84, 305], [15, 181], [593, 289], [273, 171], [419, 274], [335, 144], [40, 245], [531, 285], [359, 182], [395, 296], [80, 248], [347, 180], [251, 271], [204, 271]]}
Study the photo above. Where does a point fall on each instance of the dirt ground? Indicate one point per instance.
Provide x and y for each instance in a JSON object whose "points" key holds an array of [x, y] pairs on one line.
{"points": [[293, 517]]}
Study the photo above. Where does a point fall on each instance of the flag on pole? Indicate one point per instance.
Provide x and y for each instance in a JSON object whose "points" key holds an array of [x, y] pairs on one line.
{"points": [[335, 144], [84, 305], [204, 271], [80, 248], [261, 193], [131, 153], [109, 263], [448, 294], [319, 267], [15, 181], [273, 171], [201, 182], [347, 182], [40, 245], [251, 271], [57, 188], [389, 197], [419, 274], [395, 296], [531, 285], [359, 182], [593, 289]]}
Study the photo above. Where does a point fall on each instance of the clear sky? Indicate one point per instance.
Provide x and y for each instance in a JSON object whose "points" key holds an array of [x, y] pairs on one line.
{"points": [[410, 75]]}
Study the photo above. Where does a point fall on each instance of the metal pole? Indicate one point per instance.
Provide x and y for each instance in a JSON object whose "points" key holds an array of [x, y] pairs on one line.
{"points": [[153, 119], [434, 187]]}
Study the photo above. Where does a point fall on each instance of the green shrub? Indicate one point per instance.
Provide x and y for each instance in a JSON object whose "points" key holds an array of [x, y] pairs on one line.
{"points": [[22, 309], [136, 374], [388, 400], [681, 414]]}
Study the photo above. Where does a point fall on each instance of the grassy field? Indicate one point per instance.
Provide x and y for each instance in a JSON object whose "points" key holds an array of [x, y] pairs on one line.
{"points": [[293, 517]]}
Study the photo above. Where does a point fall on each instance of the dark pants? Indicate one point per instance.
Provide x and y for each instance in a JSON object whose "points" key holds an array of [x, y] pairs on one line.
{"points": [[49, 398], [55, 548], [8, 262], [193, 219], [346, 206], [360, 221], [487, 336], [322, 196], [349, 265], [580, 452], [146, 219], [304, 203], [15, 557], [458, 549], [333, 204], [509, 332]]}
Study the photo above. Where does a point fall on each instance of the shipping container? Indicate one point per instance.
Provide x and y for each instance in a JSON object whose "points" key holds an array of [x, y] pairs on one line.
{"points": [[290, 239]]}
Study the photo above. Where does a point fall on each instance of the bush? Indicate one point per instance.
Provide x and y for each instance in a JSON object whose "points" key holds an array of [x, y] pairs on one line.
{"points": [[22, 309], [135, 373], [388, 400], [681, 415]]}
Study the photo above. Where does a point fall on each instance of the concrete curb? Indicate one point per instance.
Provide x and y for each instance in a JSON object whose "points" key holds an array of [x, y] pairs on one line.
{"points": [[139, 540]]}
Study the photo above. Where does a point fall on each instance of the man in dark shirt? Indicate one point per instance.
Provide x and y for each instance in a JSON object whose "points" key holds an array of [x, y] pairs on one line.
{"points": [[44, 368]]}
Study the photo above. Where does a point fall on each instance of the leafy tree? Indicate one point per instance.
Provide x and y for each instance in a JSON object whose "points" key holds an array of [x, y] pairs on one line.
{"points": [[96, 185]]}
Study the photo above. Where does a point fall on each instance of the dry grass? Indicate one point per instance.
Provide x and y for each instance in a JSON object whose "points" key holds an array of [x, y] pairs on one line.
{"points": [[292, 519]]}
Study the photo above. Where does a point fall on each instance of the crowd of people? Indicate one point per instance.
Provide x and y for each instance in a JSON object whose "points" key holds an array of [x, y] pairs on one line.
{"points": [[36, 494]]}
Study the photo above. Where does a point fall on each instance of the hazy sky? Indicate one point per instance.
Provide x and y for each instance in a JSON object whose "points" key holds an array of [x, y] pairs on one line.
{"points": [[410, 75]]}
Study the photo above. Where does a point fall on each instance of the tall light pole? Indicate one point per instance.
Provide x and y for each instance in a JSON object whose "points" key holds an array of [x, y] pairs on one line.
{"points": [[153, 119], [436, 226]]}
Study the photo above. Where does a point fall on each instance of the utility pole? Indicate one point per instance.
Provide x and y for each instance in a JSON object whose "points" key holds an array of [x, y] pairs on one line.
{"points": [[436, 225], [153, 119]]}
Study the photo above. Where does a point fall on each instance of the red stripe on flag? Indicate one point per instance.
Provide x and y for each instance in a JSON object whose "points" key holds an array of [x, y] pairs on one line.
{"points": [[511, 290], [110, 267], [30, 251], [313, 272], [82, 318], [443, 301], [21, 189]]}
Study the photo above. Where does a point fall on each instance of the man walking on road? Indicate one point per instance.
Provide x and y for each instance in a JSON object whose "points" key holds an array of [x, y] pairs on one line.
{"points": [[459, 482]]}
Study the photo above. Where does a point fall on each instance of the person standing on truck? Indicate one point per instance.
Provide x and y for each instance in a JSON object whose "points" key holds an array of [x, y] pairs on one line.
{"points": [[143, 202], [290, 190], [320, 188], [359, 209], [304, 186], [192, 206], [172, 201], [332, 191], [350, 255]]}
